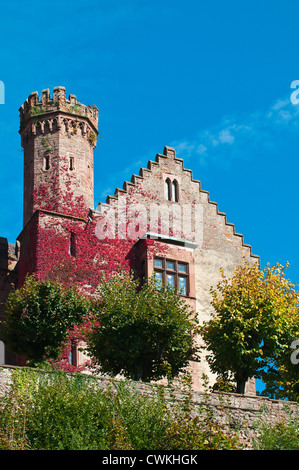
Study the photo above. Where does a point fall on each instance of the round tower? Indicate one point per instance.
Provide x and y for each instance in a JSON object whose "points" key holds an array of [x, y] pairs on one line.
{"points": [[58, 135]]}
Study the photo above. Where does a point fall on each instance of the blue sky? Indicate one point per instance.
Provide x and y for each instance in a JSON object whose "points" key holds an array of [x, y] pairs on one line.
{"points": [[211, 79]]}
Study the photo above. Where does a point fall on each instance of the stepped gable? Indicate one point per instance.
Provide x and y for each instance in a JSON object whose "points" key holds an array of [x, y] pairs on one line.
{"points": [[169, 152]]}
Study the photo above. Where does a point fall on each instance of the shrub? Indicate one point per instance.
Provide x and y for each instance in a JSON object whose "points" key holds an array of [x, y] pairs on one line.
{"points": [[55, 411], [283, 435]]}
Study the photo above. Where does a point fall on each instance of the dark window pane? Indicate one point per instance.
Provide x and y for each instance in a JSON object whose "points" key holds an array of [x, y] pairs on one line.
{"points": [[174, 191], [167, 190]]}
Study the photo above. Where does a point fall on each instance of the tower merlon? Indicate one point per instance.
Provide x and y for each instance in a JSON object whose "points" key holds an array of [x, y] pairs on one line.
{"points": [[34, 107]]}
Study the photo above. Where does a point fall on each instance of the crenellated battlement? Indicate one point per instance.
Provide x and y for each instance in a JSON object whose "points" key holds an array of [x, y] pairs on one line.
{"points": [[36, 107], [58, 135]]}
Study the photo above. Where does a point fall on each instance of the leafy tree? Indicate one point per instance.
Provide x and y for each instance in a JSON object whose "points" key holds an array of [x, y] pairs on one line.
{"points": [[282, 377], [254, 323], [144, 333], [39, 316]]}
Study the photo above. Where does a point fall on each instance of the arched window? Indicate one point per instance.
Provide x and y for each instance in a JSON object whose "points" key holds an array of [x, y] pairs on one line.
{"points": [[175, 191], [168, 189]]}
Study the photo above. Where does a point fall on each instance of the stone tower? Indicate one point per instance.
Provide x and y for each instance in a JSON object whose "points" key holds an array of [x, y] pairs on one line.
{"points": [[58, 135]]}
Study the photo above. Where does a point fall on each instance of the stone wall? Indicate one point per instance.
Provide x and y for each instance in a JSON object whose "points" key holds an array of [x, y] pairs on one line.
{"points": [[238, 412]]}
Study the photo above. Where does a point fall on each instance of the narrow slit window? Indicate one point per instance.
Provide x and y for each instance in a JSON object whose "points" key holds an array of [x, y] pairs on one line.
{"points": [[72, 246], [73, 356], [47, 162], [168, 189], [175, 196], [72, 163]]}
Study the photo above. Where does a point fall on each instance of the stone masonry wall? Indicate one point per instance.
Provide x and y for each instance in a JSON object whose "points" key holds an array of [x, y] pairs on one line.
{"points": [[58, 136], [238, 412]]}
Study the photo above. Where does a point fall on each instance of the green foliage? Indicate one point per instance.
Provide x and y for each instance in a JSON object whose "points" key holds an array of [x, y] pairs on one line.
{"points": [[38, 317], [143, 334], [36, 110], [13, 411], [74, 413], [255, 321], [189, 433], [56, 411], [75, 109], [92, 138], [283, 435], [282, 378], [46, 144]]}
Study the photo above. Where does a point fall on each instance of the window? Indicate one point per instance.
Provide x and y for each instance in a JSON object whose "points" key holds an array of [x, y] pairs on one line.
{"points": [[73, 356], [168, 189], [171, 190], [175, 196], [72, 246], [173, 273], [72, 164], [46, 162]]}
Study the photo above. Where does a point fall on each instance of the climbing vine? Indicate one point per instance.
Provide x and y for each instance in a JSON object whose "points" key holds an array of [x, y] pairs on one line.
{"points": [[62, 243]]}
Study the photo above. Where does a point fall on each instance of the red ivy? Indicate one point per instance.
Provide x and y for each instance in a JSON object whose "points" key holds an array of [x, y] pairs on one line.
{"points": [[60, 243]]}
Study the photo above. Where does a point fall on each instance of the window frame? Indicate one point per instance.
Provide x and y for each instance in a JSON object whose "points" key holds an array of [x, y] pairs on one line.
{"points": [[164, 270]]}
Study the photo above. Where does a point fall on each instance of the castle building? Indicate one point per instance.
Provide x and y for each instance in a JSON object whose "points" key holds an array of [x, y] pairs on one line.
{"points": [[160, 223]]}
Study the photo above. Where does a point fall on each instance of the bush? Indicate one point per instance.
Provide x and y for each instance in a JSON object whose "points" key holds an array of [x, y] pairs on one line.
{"points": [[283, 435], [55, 411]]}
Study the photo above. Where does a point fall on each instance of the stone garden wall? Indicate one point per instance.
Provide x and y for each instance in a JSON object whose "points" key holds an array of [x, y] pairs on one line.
{"points": [[239, 412]]}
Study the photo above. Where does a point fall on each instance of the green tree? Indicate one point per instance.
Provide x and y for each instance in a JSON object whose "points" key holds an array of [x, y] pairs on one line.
{"points": [[282, 377], [39, 316], [142, 333], [254, 322]]}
